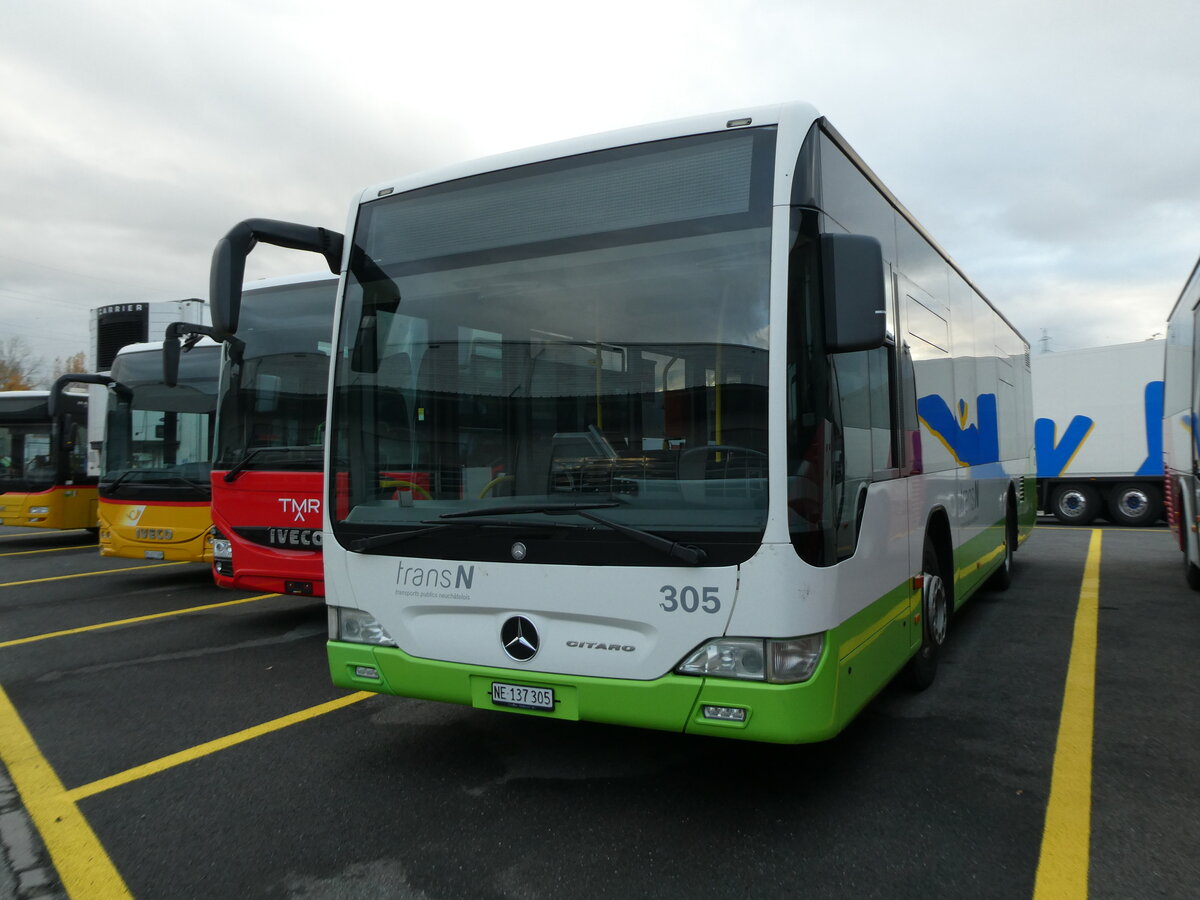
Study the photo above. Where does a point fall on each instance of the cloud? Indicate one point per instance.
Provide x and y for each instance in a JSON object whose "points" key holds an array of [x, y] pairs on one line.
{"points": [[1048, 148]]}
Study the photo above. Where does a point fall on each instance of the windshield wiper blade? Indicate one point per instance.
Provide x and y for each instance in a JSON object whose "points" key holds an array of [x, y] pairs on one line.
{"points": [[116, 482], [244, 462], [362, 545], [200, 486], [566, 506], [685, 553]]}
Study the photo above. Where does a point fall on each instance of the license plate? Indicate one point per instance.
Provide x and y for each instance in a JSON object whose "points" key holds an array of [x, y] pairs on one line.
{"points": [[522, 696], [154, 554]]}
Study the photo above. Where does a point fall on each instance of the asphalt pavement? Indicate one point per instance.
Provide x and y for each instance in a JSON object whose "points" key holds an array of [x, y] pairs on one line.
{"points": [[193, 734]]}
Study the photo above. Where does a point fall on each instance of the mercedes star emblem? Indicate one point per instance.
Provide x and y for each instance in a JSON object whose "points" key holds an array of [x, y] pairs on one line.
{"points": [[519, 638]]}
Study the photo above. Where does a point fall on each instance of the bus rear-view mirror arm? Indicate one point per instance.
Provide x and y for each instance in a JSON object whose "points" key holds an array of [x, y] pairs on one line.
{"points": [[60, 385], [229, 261], [852, 292], [172, 346]]}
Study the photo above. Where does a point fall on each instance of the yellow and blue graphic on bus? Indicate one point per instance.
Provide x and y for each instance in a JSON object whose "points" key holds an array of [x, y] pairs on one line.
{"points": [[970, 445]]}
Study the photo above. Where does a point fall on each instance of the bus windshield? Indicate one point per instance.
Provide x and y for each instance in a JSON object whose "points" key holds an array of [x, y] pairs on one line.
{"points": [[25, 457], [166, 437], [31, 458], [271, 408], [586, 330]]}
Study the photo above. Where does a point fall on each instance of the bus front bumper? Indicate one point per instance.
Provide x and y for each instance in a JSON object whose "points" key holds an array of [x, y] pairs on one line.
{"points": [[788, 714]]}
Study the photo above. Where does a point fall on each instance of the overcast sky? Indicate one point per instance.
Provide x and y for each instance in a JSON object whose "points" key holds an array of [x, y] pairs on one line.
{"points": [[1052, 148]]}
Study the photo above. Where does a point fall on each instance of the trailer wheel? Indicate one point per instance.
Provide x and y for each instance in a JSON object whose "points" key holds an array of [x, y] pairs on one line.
{"points": [[1075, 504], [1135, 503]]}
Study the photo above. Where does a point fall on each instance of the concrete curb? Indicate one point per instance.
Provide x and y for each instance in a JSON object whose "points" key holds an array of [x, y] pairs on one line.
{"points": [[25, 869]]}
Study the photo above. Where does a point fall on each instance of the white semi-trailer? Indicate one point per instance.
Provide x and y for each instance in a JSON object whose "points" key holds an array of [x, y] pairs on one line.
{"points": [[1098, 433]]}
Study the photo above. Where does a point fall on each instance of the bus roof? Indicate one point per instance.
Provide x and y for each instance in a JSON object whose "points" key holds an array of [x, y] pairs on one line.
{"points": [[798, 117], [1189, 289], [795, 114]]}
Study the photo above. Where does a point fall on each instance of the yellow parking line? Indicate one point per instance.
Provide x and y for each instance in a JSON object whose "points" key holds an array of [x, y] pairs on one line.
{"points": [[239, 737], [50, 550], [1144, 529], [1062, 872], [85, 574], [45, 532], [146, 618], [82, 863]]}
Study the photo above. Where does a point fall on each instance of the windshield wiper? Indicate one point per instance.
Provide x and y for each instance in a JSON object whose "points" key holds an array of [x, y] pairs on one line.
{"points": [[244, 462], [566, 506], [193, 484], [685, 553], [362, 545], [116, 482]]}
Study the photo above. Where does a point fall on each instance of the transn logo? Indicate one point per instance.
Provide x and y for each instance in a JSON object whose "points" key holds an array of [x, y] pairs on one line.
{"points": [[300, 508]]}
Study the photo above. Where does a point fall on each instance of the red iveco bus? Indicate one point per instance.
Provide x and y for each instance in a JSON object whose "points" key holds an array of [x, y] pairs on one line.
{"points": [[270, 433]]}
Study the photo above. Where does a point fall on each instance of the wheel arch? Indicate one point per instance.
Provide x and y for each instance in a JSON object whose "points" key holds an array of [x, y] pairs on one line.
{"points": [[937, 532]]}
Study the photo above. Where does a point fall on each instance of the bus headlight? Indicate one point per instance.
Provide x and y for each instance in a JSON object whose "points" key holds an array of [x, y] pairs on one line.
{"points": [[727, 658], [775, 660], [221, 546], [39, 510], [794, 659], [357, 626]]}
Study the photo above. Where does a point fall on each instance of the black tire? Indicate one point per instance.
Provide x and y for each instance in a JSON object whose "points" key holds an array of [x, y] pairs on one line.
{"points": [[1075, 504], [1001, 579], [935, 622], [1134, 503]]}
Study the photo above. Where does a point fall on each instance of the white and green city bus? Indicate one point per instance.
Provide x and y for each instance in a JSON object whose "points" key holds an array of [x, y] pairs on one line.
{"points": [[688, 427]]}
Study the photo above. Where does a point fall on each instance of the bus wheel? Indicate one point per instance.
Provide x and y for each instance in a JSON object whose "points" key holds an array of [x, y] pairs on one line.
{"points": [[1075, 504], [1134, 504], [935, 620], [1002, 578]]}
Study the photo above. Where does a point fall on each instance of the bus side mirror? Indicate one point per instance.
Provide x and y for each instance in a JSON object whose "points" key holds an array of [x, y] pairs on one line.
{"points": [[852, 292], [170, 358]]}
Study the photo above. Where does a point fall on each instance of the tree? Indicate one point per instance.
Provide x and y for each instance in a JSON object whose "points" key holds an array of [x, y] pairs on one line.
{"points": [[72, 365], [18, 365]]}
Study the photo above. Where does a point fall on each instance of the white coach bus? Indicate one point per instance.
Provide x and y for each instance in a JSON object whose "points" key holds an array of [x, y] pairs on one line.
{"points": [[689, 426], [1181, 435]]}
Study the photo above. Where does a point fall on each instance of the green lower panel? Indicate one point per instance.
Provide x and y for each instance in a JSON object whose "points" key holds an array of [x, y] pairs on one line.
{"points": [[794, 713]]}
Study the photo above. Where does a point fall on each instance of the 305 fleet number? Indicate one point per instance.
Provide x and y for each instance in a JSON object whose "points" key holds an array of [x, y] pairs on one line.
{"points": [[689, 599]]}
